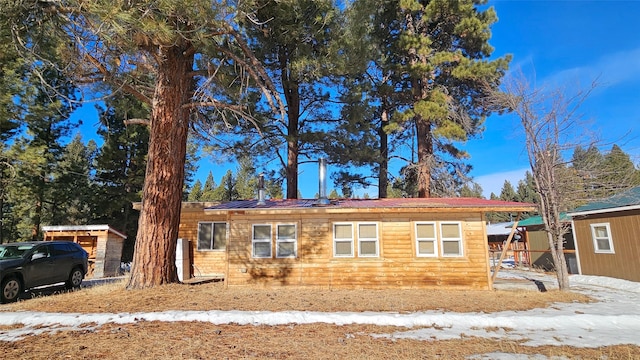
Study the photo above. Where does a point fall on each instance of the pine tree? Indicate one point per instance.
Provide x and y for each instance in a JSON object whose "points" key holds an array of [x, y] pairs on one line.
{"points": [[164, 54], [209, 189], [196, 192], [441, 50], [296, 46], [72, 185]]}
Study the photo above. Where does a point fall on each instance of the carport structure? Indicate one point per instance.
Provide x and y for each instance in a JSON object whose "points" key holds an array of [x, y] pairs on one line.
{"points": [[103, 243]]}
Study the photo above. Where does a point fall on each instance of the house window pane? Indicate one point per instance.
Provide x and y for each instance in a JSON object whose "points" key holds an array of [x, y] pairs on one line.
{"points": [[219, 236], [262, 249], [602, 240], [601, 231], [368, 231], [262, 232], [451, 248], [368, 248], [342, 231], [204, 236], [426, 231], [450, 231], [286, 231], [343, 248], [426, 247], [287, 249], [603, 244]]}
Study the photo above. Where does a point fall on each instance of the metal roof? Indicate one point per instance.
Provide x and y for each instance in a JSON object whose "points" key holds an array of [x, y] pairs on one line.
{"points": [[626, 200], [491, 205], [537, 220]]}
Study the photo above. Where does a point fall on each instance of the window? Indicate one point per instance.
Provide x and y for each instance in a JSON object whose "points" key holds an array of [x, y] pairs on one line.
{"points": [[367, 239], [427, 243], [261, 241], [451, 235], [212, 236], [286, 241], [343, 240], [602, 242]]}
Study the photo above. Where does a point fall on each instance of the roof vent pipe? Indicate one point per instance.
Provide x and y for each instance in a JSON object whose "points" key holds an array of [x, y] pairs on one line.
{"points": [[322, 182], [261, 200]]}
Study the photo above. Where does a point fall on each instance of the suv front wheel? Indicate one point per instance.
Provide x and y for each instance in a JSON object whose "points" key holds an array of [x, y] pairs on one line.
{"points": [[75, 278], [11, 289]]}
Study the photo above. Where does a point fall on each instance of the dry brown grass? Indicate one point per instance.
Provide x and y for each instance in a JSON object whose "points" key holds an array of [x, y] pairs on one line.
{"points": [[190, 340], [213, 296]]}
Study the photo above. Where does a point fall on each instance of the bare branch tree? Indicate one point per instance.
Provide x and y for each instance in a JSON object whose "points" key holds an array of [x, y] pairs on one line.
{"points": [[553, 127]]}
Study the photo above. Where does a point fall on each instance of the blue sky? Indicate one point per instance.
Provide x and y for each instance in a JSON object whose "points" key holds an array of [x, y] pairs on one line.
{"points": [[565, 44], [562, 43]]}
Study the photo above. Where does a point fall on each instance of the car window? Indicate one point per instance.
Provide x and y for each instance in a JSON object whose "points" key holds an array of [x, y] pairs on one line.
{"points": [[42, 251], [62, 249], [12, 252]]}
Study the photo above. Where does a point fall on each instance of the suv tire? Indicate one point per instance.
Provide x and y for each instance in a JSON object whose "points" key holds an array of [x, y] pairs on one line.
{"points": [[75, 278], [11, 289]]}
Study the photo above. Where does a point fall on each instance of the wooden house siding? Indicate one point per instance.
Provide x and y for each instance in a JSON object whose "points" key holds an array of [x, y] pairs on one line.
{"points": [[396, 265], [624, 263]]}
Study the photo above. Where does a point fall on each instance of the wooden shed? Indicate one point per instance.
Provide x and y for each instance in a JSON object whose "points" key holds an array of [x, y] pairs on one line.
{"points": [[607, 235], [370, 243], [103, 243], [537, 244]]}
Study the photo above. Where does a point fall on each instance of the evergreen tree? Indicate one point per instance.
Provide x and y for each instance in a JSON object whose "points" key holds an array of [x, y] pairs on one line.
{"points": [[526, 191], [72, 185], [37, 153], [164, 54], [120, 166], [246, 182], [196, 192], [295, 44], [508, 193], [226, 191], [440, 50], [473, 191], [209, 189]]}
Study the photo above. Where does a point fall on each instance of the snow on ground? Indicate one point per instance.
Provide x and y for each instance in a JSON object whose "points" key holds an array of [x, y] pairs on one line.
{"points": [[613, 320]]}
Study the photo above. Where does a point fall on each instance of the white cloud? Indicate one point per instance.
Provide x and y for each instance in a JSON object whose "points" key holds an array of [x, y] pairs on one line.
{"points": [[609, 70], [492, 183]]}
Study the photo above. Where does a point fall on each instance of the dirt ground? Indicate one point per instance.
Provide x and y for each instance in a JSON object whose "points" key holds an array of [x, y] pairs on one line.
{"points": [[190, 340]]}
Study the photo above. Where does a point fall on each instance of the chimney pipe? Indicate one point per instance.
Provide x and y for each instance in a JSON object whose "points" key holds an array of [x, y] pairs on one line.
{"points": [[261, 200], [322, 182]]}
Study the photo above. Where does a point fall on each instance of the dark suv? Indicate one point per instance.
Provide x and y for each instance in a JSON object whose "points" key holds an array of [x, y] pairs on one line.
{"points": [[26, 265]]}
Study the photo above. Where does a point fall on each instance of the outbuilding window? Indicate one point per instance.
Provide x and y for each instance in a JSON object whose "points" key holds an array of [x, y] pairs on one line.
{"points": [[426, 240], [435, 239], [261, 240], [451, 236], [345, 235], [286, 241], [602, 242], [212, 236]]}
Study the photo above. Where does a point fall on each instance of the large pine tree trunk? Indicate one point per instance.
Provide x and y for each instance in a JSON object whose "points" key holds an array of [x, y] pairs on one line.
{"points": [[155, 248], [383, 170], [292, 96], [425, 157]]}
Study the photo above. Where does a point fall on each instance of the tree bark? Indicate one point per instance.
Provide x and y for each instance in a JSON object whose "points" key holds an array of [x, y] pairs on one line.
{"points": [[155, 248], [425, 156], [292, 97], [383, 170]]}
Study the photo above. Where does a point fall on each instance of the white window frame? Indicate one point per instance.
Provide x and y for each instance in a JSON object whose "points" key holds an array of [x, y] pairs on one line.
{"points": [[595, 238], [456, 239], [434, 240], [255, 241], [361, 239], [336, 241], [294, 241], [213, 242]]}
